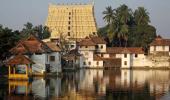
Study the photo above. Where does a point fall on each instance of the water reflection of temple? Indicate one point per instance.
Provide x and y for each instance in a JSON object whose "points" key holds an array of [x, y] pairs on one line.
{"points": [[92, 84]]}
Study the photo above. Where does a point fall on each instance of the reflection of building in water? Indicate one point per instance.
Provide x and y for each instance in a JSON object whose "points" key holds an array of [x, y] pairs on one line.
{"points": [[19, 87], [18, 90], [92, 81], [147, 84], [54, 86], [158, 80], [39, 88]]}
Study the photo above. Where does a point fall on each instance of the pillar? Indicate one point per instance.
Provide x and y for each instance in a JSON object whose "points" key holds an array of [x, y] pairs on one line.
{"points": [[26, 91], [13, 70], [30, 69], [9, 69], [9, 89], [26, 70]]}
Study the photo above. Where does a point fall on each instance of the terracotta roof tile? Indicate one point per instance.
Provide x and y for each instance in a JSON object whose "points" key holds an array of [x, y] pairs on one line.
{"points": [[120, 50], [30, 45], [19, 49], [71, 55], [97, 58], [112, 62], [159, 41], [19, 59], [98, 40], [86, 42], [53, 46]]}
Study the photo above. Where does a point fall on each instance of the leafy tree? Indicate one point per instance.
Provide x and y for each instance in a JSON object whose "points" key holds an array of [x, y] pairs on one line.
{"points": [[141, 16], [127, 28], [28, 28], [108, 15], [8, 38], [42, 32]]}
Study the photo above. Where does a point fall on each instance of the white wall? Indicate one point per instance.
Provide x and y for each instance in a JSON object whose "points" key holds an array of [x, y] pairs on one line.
{"points": [[127, 59], [100, 64], [40, 62], [138, 61], [104, 55], [99, 49], [87, 56], [89, 48], [159, 48], [118, 55], [55, 65]]}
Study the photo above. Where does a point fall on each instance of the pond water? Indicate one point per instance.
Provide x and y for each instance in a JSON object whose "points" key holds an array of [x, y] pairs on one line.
{"points": [[91, 85]]}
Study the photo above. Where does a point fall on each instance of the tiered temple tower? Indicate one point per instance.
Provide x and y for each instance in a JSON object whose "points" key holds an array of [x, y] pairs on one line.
{"points": [[74, 21]]}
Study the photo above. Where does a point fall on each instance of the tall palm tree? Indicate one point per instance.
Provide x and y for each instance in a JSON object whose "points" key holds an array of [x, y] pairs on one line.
{"points": [[123, 15], [109, 15], [141, 16]]}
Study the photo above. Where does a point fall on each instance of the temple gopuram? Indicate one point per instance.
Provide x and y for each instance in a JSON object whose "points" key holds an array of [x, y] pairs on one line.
{"points": [[72, 20]]}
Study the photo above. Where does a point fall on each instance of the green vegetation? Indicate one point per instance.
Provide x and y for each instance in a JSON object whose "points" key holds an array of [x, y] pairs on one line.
{"points": [[127, 28], [42, 32], [8, 37]]}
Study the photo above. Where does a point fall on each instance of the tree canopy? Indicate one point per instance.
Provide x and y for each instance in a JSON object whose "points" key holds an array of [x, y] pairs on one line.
{"points": [[42, 32], [9, 37], [126, 27]]}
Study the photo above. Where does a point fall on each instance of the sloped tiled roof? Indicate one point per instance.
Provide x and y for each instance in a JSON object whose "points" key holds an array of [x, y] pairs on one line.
{"points": [[30, 45], [86, 42], [97, 58], [53, 46], [98, 40], [120, 50], [159, 41], [71, 55], [19, 59]]}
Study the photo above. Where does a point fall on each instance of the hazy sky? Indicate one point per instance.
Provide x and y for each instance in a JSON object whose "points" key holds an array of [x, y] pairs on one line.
{"points": [[15, 13]]}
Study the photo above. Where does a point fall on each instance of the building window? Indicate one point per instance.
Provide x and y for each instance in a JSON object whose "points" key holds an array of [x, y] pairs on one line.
{"points": [[72, 46], [125, 73], [136, 55], [97, 63], [154, 48], [101, 55], [86, 53], [52, 58], [125, 55], [101, 46], [125, 62], [89, 63], [68, 27], [97, 46], [86, 47], [69, 18], [69, 13], [69, 22], [84, 63], [94, 33], [80, 46], [163, 47], [68, 33], [47, 58]]}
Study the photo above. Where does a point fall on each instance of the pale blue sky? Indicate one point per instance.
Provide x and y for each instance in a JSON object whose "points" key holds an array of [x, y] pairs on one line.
{"points": [[15, 13]]}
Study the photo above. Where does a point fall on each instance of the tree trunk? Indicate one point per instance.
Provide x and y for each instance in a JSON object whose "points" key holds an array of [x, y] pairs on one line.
{"points": [[126, 44], [120, 42]]}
